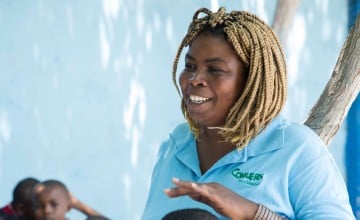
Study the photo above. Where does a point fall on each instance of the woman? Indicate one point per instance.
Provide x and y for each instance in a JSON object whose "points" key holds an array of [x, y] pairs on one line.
{"points": [[236, 156]]}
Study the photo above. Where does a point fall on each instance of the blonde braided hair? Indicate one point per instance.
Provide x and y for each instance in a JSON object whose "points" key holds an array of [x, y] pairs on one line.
{"points": [[264, 94]]}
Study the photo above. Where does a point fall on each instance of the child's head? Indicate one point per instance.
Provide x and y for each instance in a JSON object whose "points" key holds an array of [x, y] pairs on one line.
{"points": [[52, 200], [22, 198], [96, 217], [190, 214]]}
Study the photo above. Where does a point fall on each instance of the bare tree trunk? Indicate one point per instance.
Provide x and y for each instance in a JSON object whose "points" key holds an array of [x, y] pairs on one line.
{"points": [[284, 14], [343, 87], [333, 105]]}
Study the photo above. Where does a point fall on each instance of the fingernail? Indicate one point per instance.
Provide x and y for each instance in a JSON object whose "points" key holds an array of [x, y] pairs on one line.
{"points": [[176, 179], [167, 192]]}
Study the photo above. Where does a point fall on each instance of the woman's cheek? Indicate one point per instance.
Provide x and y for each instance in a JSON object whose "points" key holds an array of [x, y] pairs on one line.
{"points": [[183, 79]]}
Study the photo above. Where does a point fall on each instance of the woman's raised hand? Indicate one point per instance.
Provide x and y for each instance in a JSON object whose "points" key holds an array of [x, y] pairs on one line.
{"points": [[221, 199]]}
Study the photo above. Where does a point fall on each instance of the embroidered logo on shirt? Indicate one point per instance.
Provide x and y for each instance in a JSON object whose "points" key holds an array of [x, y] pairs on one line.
{"points": [[249, 178]]}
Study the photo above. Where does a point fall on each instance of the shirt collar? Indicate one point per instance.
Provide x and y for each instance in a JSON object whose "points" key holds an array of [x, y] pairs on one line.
{"points": [[269, 139], [186, 151]]}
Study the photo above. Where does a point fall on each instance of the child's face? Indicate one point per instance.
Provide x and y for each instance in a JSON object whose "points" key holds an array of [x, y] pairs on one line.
{"points": [[52, 204]]}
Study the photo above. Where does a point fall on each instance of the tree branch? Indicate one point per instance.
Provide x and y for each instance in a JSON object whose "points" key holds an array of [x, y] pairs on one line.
{"points": [[333, 105], [284, 14]]}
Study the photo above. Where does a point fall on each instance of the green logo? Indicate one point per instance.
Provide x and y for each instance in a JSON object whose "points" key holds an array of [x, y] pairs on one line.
{"points": [[249, 178]]}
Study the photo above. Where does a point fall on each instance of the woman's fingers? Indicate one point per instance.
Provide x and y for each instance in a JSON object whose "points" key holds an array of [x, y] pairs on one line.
{"points": [[220, 198], [197, 191], [182, 188]]}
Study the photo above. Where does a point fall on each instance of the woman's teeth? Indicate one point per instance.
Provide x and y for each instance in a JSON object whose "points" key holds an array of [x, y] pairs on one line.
{"points": [[198, 99]]}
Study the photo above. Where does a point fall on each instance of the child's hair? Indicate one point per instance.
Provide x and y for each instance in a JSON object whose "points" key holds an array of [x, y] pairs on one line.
{"points": [[96, 217], [190, 214], [23, 191], [258, 48], [56, 183]]}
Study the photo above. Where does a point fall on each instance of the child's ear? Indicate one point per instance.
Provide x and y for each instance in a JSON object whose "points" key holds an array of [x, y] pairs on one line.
{"points": [[19, 209]]}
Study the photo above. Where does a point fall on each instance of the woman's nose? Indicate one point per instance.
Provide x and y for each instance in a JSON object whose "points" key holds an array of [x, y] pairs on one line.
{"points": [[197, 78]]}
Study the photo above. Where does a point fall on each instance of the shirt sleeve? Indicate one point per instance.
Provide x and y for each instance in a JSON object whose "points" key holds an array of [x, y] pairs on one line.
{"points": [[317, 189]]}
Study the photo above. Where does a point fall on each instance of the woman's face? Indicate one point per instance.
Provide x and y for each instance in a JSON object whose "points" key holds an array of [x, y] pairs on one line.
{"points": [[212, 80]]}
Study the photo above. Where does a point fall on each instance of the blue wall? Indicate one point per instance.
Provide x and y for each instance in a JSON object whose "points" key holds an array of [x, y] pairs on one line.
{"points": [[352, 147], [86, 95]]}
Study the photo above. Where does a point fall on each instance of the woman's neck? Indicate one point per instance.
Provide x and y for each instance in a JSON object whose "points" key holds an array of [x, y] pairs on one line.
{"points": [[211, 147]]}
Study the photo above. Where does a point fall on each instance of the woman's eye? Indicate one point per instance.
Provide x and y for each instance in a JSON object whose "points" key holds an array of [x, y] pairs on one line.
{"points": [[189, 66], [214, 70]]}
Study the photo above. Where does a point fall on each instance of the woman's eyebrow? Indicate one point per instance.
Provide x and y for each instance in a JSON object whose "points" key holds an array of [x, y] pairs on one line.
{"points": [[215, 59], [209, 60]]}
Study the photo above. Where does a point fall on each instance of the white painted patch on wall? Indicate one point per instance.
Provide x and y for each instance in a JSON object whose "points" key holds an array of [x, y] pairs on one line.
{"points": [[214, 5], [104, 45], [148, 39], [5, 128], [169, 29], [295, 44], [111, 8], [70, 19], [157, 22], [127, 186], [134, 124]]}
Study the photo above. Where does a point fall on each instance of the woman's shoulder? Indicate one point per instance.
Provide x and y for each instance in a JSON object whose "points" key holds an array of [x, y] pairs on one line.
{"points": [[301, 140], [280, 128], [296, 132], [180, 133], [283, 133], [177, 137], [181, 128]]}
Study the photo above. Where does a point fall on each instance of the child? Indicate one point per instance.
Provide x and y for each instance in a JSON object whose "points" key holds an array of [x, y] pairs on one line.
{"points": [[53, 200], [190, 214], [96, 217], [21, 205]]}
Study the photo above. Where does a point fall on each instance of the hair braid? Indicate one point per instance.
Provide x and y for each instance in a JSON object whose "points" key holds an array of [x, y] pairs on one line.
{"points": [[258, 48]]}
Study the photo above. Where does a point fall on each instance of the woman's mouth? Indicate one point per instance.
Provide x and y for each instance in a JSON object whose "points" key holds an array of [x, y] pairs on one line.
{"points": [[198, 99]]}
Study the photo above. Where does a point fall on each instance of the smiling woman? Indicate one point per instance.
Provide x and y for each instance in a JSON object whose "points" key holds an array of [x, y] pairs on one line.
{"points": [[273, 86], [237, 157]]}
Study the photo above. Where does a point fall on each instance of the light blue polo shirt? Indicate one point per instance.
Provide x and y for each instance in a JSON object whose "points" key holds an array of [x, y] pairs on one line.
{"points": [[286, 167]]}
